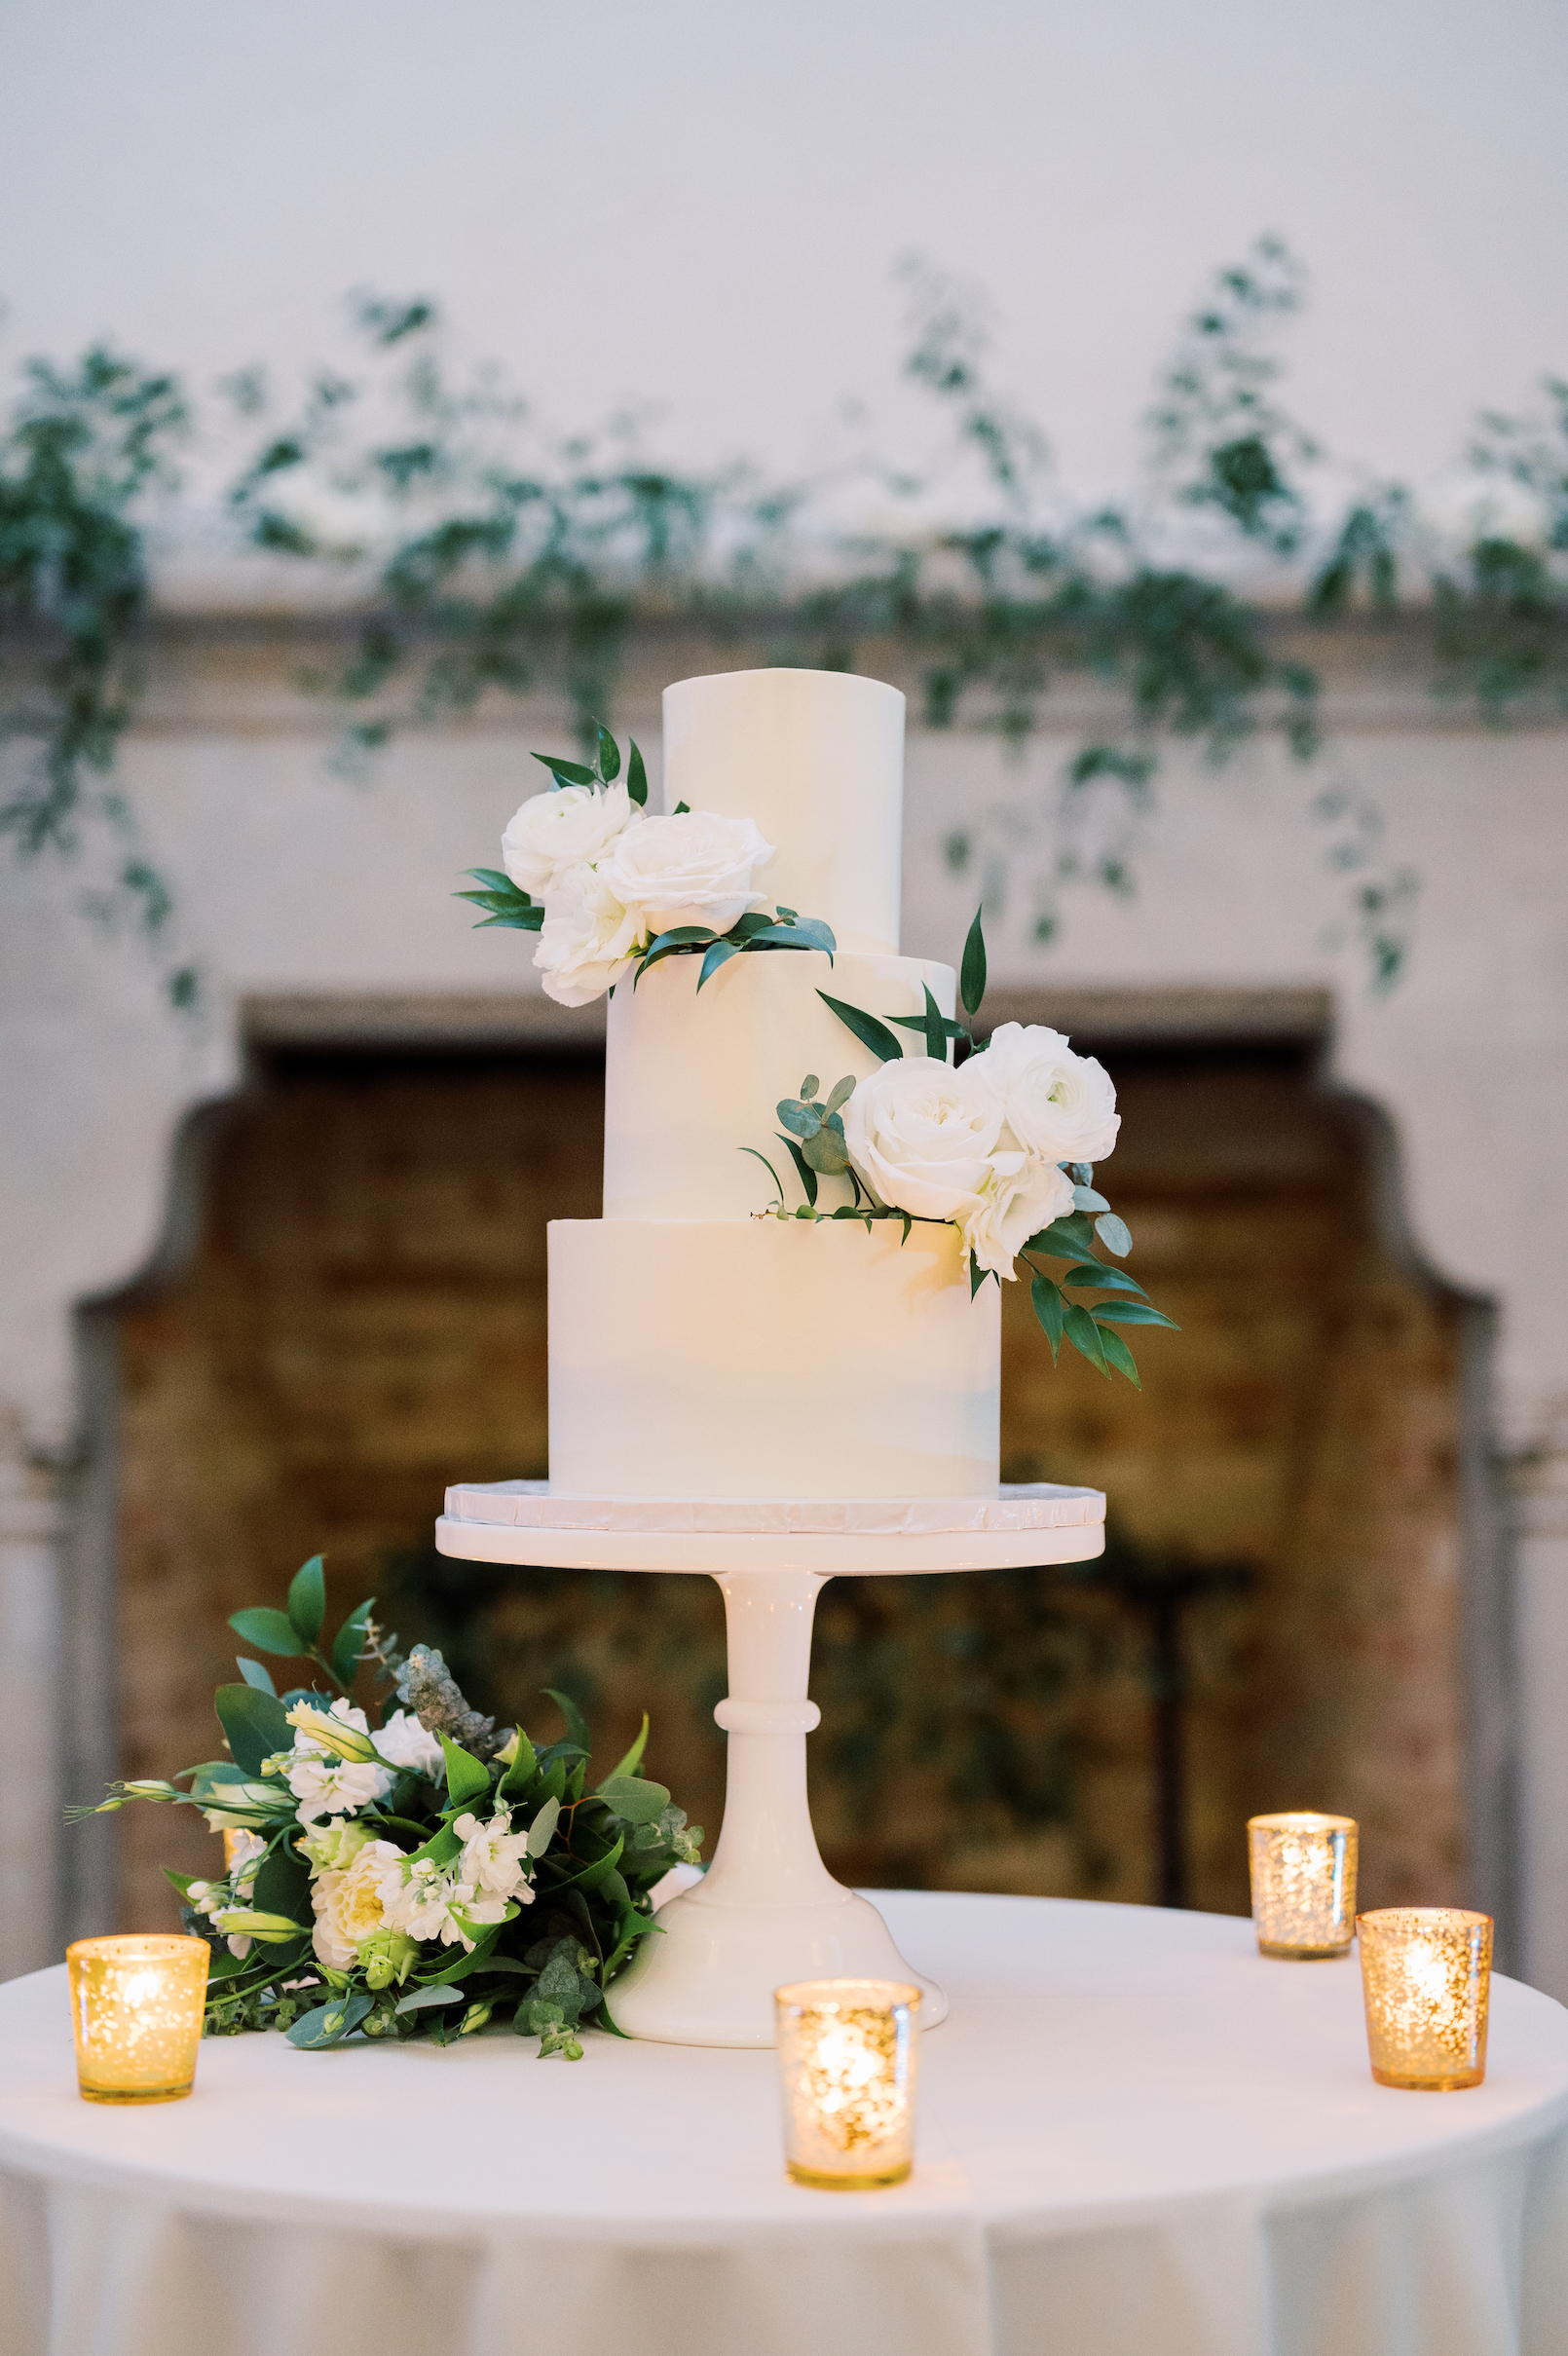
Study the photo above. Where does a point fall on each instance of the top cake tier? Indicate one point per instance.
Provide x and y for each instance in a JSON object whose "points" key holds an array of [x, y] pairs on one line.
{"points": [[816, 757]]}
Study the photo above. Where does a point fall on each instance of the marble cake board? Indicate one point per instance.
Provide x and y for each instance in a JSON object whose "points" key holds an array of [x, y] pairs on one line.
{"points": [[767, 1909]]}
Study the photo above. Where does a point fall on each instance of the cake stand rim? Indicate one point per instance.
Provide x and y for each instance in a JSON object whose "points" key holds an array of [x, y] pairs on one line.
{"points": [[717, 1554]]}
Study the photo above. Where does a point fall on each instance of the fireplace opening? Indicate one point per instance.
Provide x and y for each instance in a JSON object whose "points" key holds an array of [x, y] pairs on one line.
{"points": [[350, 1312]]}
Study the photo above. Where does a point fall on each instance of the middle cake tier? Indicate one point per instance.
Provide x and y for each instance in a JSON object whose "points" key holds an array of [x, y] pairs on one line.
{"points": [[691, 1079], [770, 1358]]}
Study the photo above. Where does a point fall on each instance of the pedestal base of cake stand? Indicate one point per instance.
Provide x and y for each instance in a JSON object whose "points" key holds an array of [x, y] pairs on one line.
{"points": [[767, 1909]]}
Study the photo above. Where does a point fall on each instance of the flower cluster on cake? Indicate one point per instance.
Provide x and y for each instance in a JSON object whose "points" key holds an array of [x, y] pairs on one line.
{"points": [[693, 1351]]}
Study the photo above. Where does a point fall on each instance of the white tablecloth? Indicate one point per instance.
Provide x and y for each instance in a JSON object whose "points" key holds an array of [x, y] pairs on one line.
{"points": [[1138, 2139]]}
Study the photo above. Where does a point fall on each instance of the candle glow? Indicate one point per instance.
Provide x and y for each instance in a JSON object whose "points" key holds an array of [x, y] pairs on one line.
{"points": [[1303, 1871], [848, 2058], [1426, 1974], [137, 2005]]}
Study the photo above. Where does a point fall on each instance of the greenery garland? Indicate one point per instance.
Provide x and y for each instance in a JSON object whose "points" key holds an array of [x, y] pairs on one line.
{"points": [[496, 558]]}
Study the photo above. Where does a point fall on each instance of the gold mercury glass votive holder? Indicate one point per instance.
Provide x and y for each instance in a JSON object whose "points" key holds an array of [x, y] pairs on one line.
{"points": [[848, 2058], [136, 2003], [1426, 1974], [1303, 1869]]}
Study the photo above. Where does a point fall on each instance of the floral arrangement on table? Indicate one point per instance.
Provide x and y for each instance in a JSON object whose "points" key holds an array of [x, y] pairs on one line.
{"points": [[999, 1142], [998, 1139], [618, 891], [421, 1878]]}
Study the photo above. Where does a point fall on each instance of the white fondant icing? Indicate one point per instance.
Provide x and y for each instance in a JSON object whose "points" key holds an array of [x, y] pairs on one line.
{"points": [[689, 1080], [764, 1358], [816, 757]]}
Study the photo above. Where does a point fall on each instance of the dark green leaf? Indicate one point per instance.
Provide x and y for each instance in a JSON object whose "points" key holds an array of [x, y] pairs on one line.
{"points": [[270, 1630], [1134, 1313], [977, 1274], [282, 1886], [718, 954], [1110, 1280], [1082, 1332], [591, 1876], [682, 809], [806, 933], [870, 1032], [936, 1029], [745, 926], [1048, 1308], [807, 1176], [577, 1725], [466, 1775], [921, 1022], [522, 1770], [256, 1725], [671, 944], [349, 1642], [255, 1674], [972, 972], [1119, 1355], [331, 2022], [567, 773], [636, 774], [609, 754], [766, 1165], [629, 1764], [1070, 1238], [306, 1601]]}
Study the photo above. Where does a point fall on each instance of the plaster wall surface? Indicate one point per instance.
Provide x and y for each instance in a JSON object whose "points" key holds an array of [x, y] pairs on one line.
{"points": [[301, 890]]}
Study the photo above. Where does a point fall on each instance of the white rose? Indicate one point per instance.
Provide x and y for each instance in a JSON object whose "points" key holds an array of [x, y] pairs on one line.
{"points": [[694, 867], [921, 1135], [350, 1906], [1021, 1195], [404, 1743], [586, 940], [553, 834], [1057, 1103]]}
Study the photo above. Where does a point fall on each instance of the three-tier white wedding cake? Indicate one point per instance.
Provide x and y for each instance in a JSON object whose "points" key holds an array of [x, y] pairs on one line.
{"points": [[697, 1349]]}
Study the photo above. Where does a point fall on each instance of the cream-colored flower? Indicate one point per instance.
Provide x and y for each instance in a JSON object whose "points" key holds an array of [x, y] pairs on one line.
{"points": [[493, 1858], [332, 1848], [404, 1743], [554, 834], [921, 1136], [587, 941], [1020, 1195], [1057, 1104], [693, 867], [350, 1906]]}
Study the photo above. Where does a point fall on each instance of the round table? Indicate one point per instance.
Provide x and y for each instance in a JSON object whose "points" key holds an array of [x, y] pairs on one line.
{"points": [[1138, 2138]]}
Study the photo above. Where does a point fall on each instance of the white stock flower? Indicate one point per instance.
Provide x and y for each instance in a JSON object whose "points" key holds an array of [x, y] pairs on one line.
{"points": [[1020, 1195], [493, 1856], [350, 1906], [587, 941], [693, 867], [416, 1899], [554, 834], [921, 1135], [404, 1743], [1057, 1104]]}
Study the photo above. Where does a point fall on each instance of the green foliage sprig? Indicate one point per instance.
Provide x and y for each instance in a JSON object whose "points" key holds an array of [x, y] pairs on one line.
{"points": [[595, 1852]]}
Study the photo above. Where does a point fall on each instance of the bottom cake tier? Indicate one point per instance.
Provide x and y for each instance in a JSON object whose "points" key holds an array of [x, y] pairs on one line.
{"points": [[770, 1358]]}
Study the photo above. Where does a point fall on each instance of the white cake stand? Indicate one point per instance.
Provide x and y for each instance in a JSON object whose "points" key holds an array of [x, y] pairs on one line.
{"points": [[767, 1909]]}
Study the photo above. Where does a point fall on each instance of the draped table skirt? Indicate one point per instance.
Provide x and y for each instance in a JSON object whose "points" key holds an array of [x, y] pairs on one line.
{"points": [[1138, 2138]]}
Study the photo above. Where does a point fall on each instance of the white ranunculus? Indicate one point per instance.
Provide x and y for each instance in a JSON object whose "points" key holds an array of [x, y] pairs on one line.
{"points": [[350, 1906], [1057, 1104], [404, 1743], [587, 941], [921, 1135], [556, 833], [694, 867], [1021, 1195]]}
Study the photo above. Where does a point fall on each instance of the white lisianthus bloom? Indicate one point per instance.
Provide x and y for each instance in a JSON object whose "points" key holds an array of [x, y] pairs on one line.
{"points": [[554, 834], [333, 1848], [342, 1730], [921, 1136], [495, 1858], [349, 1906], [1021, 1194], [1057, 1104], [694, 867], [248, 1851], [404, 1743], [587, 941], [323, 1783]]}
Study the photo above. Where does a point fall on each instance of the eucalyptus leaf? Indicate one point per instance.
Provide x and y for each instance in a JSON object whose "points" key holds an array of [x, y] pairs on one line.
{"points": [[541, 1832], [1114, 1234], [1084, 1198], [808, 1087], [419, 1999], [804, 1120], [842, 1091], [635, 1797], [330, 2022], [826, 1152]]}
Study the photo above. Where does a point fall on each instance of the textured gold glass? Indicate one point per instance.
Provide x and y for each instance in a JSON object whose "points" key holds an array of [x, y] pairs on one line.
{"points": [[231, 1845], [1303, 1883], [1426, 1973], [136, 2006], [848, 2058]]}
